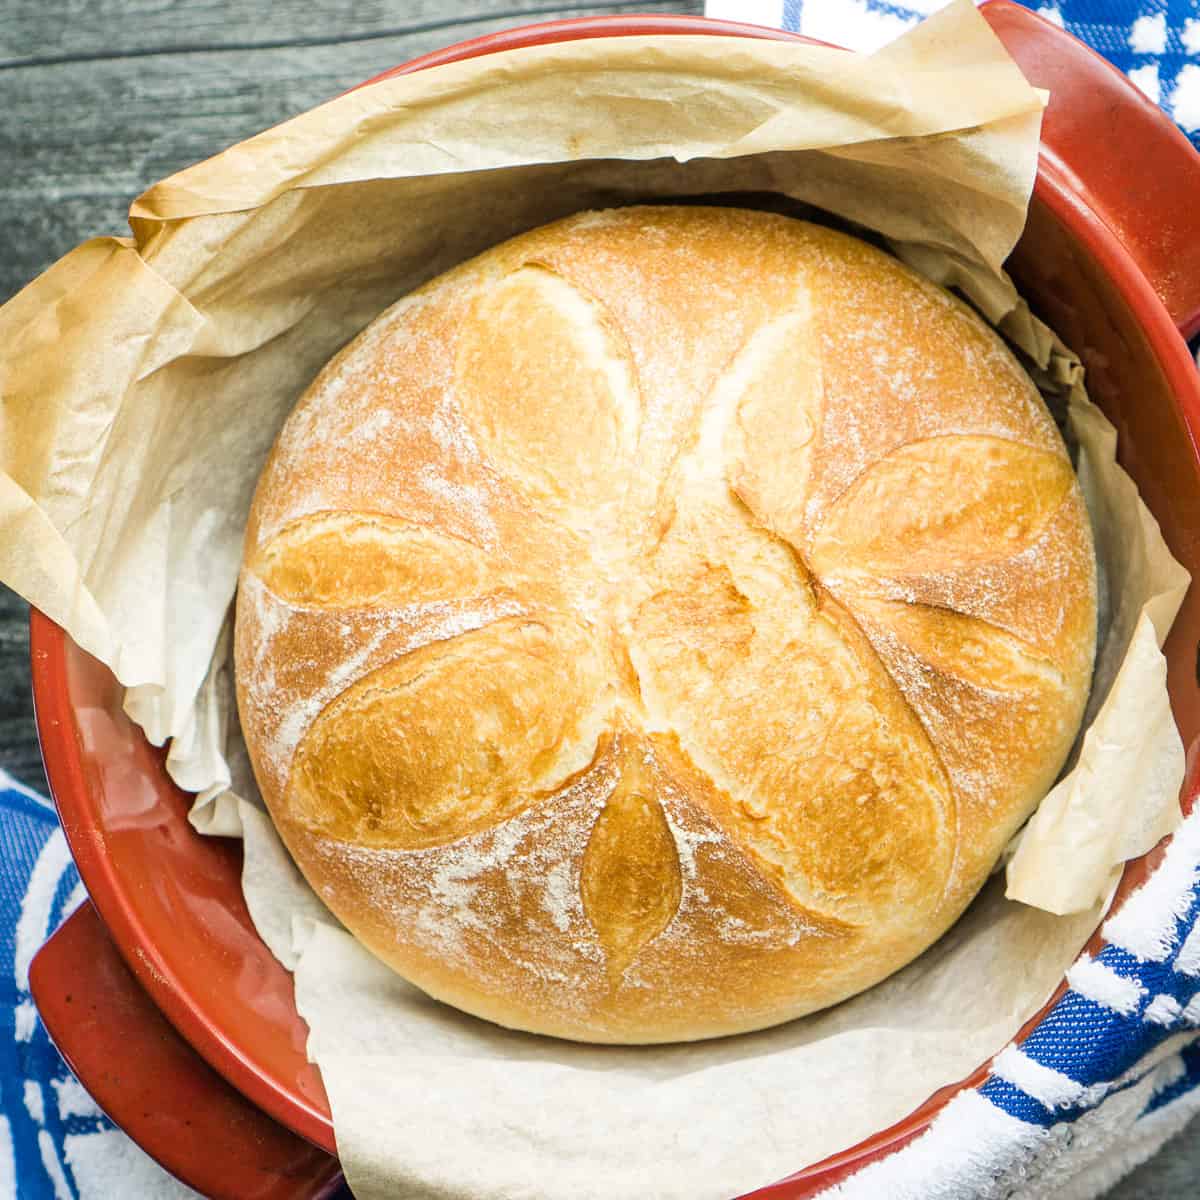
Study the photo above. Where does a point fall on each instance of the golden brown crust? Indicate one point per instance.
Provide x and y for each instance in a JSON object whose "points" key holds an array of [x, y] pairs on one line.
{"points": [[654, 628]]}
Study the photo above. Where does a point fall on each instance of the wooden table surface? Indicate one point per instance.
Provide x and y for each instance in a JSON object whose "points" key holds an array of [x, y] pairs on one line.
{"points": [[100, 98]]}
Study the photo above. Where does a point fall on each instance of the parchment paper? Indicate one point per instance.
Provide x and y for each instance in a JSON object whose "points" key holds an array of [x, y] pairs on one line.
{"points": [[1121, 794], [144, 380]]}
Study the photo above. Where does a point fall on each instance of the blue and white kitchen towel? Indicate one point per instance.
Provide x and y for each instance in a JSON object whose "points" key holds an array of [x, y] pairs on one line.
{"points": [[1104, 1080], [1155, 42], [55, 1144], [1107, 1077]]}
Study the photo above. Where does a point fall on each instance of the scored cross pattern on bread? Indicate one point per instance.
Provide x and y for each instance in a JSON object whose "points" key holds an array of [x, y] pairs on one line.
{"points": [[655, 627]]}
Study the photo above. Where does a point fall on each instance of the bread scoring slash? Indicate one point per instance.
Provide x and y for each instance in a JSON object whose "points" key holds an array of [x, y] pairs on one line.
{"points": [[655, 627]]}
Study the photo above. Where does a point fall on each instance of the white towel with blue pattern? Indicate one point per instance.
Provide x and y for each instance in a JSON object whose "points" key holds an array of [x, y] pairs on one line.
{"points": [[55, 1144], [1155, 42]]}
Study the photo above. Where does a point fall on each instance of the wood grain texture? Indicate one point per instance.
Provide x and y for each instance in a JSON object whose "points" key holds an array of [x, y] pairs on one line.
{"points": [[126, 28], [100, 98]]}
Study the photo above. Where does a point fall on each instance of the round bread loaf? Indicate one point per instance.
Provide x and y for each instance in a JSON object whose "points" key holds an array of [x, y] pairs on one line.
{"points": [[655, 627]]}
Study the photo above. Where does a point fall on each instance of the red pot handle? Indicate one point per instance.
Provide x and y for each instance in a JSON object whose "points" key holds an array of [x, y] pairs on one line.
{"points": [[155, 1086], [1120, 153]]}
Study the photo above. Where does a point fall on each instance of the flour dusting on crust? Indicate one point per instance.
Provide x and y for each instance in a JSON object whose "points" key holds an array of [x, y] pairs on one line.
{"points": [[727, 601]]}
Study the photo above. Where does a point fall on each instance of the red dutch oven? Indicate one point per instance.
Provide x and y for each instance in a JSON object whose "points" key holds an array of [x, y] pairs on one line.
{"points": [[159, 992]]}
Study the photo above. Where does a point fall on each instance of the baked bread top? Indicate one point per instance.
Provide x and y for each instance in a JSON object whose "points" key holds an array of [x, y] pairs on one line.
{"points": [[655, 627]]}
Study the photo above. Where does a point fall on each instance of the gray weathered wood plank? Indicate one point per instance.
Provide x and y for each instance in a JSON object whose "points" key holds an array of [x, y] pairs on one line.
{"points": [[83, 138], [19, 752], [121, 28]]}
